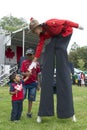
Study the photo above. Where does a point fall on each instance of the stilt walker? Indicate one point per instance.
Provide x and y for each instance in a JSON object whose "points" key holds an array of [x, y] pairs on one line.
{"points": [[59, 32]]}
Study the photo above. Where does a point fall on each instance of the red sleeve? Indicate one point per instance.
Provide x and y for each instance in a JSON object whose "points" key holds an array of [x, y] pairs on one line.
{"points": [[40, 47], [58, 22], [71, 24]]}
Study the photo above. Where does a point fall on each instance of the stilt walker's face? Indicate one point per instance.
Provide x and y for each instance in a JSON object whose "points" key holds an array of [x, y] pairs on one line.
{"points": [[38, 30]]}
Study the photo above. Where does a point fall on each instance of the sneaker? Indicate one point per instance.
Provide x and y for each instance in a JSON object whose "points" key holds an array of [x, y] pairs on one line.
{"points": [[14, 121], [74, 118], [39, 119], [29, 115]]}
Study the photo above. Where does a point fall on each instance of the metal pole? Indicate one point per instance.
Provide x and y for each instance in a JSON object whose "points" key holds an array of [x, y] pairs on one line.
{"points": [[23, 42]]}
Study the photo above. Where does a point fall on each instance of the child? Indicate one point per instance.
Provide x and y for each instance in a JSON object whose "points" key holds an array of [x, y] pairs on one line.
{"points": [[16, 90], [32, 81]]}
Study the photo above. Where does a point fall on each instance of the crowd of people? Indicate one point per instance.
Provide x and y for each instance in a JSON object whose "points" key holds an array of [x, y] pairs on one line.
{"points": [[59, 32], [80, 79]]}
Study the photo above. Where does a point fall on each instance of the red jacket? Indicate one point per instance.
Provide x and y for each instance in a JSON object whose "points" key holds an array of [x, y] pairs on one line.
{"points": [[55, 27], [19, 95]]}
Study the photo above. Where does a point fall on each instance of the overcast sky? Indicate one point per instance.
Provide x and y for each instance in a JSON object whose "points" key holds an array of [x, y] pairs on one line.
{"points": [[74, 10]]}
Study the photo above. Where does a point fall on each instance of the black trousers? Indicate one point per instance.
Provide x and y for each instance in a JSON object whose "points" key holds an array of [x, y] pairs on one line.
{"points": [[56, 49], [17, 107]]}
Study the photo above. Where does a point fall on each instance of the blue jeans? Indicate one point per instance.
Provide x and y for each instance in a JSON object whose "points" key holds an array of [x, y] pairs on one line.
{"points": [[31, 90]]}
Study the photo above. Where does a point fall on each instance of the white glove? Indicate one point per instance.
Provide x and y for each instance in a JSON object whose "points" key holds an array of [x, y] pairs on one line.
{"points": [[80, 27], [33, 65]]}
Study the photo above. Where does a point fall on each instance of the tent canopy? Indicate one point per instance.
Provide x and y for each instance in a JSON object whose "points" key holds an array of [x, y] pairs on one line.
{"points": [[24, 38], [77, 70]]}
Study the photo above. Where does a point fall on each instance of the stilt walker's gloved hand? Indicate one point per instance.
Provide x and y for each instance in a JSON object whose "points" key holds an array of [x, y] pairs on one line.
{"points": [[33, 65], [80, 27]]}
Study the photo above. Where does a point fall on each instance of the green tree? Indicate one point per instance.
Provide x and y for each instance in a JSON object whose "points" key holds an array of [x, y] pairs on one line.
{"points": [[82, 54], [79, 57], [81, 64], [12, 23], [73, 57]]}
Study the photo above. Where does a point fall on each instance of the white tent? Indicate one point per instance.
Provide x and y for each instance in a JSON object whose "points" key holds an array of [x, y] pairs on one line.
{"points": [[77, 70]]}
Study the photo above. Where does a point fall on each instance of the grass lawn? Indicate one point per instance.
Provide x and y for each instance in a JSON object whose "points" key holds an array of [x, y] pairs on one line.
{"points": [[48, 123]]}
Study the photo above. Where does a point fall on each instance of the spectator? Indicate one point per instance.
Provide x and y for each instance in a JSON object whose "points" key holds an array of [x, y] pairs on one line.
{"points": [[82, 79], [79, 79]]}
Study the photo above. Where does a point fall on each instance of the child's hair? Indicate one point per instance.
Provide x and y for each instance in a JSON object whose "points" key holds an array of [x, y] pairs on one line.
{"points": [[12, 76]]}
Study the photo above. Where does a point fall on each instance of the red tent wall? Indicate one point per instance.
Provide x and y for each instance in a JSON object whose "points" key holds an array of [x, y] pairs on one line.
{"points": [[18, 53]]}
